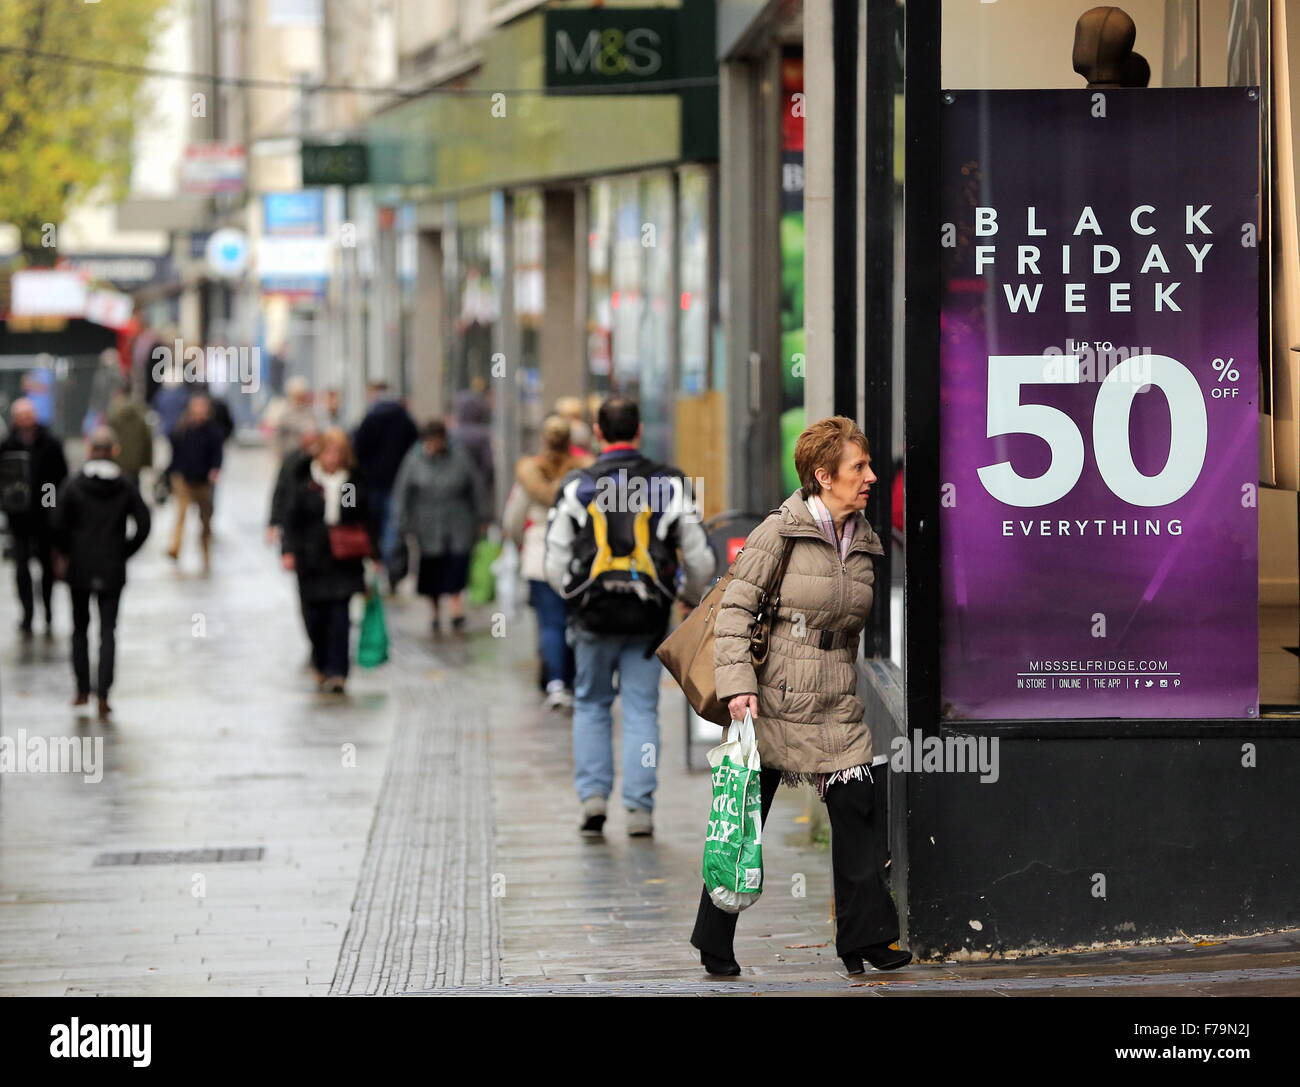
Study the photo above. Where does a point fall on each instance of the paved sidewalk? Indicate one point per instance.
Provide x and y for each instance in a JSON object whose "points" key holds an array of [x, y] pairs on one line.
{"points": [[417, 837]]}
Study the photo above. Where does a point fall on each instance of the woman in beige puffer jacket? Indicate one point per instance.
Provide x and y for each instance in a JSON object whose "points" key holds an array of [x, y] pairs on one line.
{"points": [[808, 720]]}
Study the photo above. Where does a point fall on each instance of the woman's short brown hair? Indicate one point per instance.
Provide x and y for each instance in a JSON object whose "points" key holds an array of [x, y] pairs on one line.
{"points": [[821, 445]]}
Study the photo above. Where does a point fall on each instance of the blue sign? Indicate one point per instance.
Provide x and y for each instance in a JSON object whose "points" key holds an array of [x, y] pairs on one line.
{"points": [[301, 213]]}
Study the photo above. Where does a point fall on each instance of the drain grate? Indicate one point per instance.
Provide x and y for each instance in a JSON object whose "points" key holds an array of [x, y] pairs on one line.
{"points": [[182, 856]]}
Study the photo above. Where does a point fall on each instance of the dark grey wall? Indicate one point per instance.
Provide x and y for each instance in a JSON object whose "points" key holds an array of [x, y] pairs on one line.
{"points": [[1188, 839]]}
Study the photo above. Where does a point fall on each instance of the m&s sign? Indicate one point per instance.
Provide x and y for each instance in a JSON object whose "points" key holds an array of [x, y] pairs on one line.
{"points": [[602, 48]]}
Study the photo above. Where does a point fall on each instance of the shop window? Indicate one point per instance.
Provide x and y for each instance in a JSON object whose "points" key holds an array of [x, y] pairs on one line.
{"points": [[529, 299], [1118, 529]]}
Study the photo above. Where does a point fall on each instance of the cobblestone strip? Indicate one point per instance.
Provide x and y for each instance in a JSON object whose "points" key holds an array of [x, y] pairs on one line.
{"points": [[424, 916]]}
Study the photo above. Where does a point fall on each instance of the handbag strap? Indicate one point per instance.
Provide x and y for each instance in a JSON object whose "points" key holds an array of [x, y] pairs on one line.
{"points": [[761, 635], [773, 589]]}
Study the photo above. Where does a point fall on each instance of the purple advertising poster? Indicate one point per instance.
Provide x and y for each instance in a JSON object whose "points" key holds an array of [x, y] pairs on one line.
{"points": [[1099, 388]]}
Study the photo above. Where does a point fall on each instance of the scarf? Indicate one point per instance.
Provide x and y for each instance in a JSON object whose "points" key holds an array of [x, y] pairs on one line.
{"points": [[101, 469], [827, 524], [332, 484]]}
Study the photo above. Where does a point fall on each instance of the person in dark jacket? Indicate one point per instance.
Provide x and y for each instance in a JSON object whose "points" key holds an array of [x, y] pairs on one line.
{"points": [[170, 402], [29, 506], [195, 468], [222, 417], [90, 532], [326, 493], [472, 431], [304, 450], [381, 441]]}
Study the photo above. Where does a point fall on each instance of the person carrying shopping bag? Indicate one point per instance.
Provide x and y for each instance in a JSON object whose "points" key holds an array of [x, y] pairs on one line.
{"points": [[327, 535], [537, 482], [440, 499], [808, 721]]}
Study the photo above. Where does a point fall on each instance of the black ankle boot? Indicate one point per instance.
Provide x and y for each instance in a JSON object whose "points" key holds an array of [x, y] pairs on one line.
{"points": [[884, 957], [727, 968]]}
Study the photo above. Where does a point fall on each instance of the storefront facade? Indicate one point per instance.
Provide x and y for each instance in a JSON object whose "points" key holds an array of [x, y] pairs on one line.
{"points": [[1094, 726], [553, 264]]}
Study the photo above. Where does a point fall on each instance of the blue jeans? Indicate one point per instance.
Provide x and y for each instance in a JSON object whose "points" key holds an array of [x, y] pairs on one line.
{"points": [[382, 507], [598, 657], [557, 657]]}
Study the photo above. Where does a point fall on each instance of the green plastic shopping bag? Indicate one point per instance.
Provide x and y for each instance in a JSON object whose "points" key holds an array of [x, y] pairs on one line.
{"points": [[482, 581], [733, 847], [372, 644]]}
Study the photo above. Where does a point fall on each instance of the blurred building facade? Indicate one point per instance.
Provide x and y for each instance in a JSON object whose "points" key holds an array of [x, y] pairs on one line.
{"points": [[530, 199]]}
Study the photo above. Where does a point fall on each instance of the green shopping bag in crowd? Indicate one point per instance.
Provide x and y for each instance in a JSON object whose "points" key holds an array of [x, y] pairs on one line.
{"points": [[372, 645], [733, 848], [482, 582]]}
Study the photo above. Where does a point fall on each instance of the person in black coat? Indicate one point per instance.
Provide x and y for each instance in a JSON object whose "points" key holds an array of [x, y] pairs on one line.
{"points": [[381, 441], [325, 493], [29, 504], [289, 469], [90, 535]]}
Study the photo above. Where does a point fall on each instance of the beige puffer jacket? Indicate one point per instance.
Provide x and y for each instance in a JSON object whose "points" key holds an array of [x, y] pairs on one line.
{"points": [[810, 720]]}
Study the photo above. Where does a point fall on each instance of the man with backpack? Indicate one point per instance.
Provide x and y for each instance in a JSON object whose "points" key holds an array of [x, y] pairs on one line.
{"points": [[612, 547]]}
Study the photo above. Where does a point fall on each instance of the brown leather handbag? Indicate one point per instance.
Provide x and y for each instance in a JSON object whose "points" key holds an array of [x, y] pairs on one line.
{"points": [[687, 653]]}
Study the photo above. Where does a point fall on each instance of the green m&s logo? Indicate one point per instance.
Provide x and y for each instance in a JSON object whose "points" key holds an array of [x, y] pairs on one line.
{"points": [[611, 52]]}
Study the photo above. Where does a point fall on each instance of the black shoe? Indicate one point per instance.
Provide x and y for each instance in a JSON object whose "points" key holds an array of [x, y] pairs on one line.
{"points": [[853, 964], [593, 818], [457, 623], [883, 957], [726, 968]]}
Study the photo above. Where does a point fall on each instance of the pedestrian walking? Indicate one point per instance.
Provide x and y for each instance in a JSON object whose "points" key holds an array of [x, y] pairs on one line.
{"points": [[331, 413], [296, 415], [327, 536], [571, 408], [810, 724], [194, 471], [308, 440], [440, 500], [612, 551], [38, 470], [126, 419], [170, 402], [382, 439], [221, 415], [537, 482], [90, 530], [471, 429]]}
